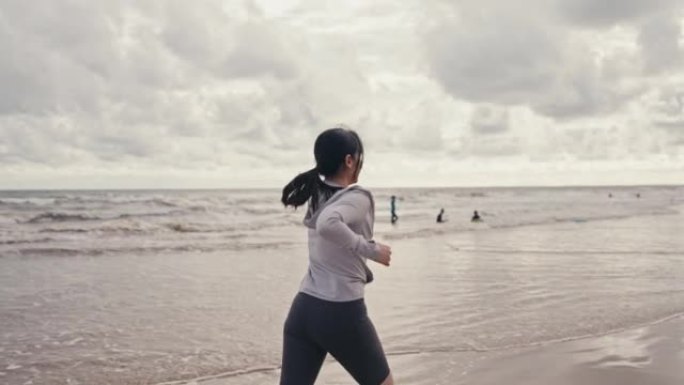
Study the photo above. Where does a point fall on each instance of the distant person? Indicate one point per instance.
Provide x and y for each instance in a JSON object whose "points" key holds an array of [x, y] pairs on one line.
{"points": [[638, 196], [476, 217], [440, 216], [610, 195], [328, 314], [393, 209]]}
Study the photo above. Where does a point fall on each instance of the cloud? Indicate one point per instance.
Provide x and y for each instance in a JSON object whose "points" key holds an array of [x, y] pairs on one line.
{"points": [[609, 12], [486, 56], [130, 76], [168, 87], [666, 113], [489, 120], [496, 52], [659, 39]]}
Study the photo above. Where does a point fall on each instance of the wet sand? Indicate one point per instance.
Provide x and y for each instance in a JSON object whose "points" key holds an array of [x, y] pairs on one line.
{"points": [[650, 355]]}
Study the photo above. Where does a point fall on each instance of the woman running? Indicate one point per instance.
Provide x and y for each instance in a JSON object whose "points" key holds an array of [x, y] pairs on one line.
{"points": [[328, 315]]}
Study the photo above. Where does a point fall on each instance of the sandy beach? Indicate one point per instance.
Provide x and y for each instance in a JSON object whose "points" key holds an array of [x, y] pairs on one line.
{"points": [[649, 355]]}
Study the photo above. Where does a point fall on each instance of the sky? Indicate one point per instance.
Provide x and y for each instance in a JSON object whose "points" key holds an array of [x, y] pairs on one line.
{"points": [[231, 94]]}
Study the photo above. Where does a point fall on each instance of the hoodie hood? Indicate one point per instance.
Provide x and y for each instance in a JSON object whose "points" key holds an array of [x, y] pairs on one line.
{"points": [[311, 215]]}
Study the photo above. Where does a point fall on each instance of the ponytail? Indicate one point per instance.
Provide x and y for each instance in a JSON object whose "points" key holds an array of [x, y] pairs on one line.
{"points": [[301, 188], [330, 149], [307, 187]]}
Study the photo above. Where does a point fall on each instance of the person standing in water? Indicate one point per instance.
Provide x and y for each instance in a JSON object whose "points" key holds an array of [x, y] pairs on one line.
{"points": [[328, 314], [476, 217], [440, 216], [393, 209]]}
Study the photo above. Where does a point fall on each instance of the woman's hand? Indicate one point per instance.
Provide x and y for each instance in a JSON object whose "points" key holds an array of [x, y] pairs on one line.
{"points": [[384, 254]]}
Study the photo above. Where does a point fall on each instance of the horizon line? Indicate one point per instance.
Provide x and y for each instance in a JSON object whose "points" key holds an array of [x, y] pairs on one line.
{"points": [[370, 187]]}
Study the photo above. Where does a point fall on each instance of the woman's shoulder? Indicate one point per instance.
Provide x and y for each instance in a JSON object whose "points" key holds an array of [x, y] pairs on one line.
{"points": [[358, 194], [359, 190], [353, 195]]}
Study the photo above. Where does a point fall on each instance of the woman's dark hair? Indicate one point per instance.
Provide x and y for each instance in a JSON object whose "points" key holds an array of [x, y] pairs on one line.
{"points": [[331, 148]]}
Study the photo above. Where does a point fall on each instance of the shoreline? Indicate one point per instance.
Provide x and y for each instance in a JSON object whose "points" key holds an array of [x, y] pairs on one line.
{"points": [[643, 354]]}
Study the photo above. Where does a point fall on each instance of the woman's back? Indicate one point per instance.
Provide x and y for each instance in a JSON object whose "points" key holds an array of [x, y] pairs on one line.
{"points": [[339, 243]]}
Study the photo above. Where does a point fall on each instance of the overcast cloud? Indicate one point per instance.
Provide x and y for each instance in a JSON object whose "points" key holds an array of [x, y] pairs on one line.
{"points": [[215, 93]]}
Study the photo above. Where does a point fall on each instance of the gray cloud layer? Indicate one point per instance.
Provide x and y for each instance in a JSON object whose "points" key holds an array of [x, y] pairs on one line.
{"points": [[497, 51], [242, 87]]}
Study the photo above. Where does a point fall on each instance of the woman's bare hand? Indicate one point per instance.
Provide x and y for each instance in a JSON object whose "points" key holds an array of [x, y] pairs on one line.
{"points": [[385, 254]]}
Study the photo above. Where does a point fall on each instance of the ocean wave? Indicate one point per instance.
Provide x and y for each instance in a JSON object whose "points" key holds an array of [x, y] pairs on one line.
{"points": [[152, 214], [260, 211], [60, 217], [141, 250], [26, 202], [64, 231], [160, 202], [25, 241], [450, 227], [183, 228], [55, 217], [135, 227], [103, 229], [113, 200]]}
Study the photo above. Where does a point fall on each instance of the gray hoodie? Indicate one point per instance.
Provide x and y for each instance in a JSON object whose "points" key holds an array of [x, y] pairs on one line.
{"points": [[340, 233]]}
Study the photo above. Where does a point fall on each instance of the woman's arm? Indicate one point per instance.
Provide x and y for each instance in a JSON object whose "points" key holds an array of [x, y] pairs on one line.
{"points": [[332, 224]]}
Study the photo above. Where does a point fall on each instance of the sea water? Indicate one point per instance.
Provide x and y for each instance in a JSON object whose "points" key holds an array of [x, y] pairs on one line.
{"points": [[150, 287]]}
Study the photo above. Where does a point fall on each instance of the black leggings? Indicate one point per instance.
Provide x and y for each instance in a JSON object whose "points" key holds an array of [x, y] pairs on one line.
{"points": [[315, 327]]}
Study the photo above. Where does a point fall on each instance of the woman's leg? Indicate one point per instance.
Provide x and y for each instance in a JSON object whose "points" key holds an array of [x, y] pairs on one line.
{"points": [[302, 357], [354, 343], [302, 360]]}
